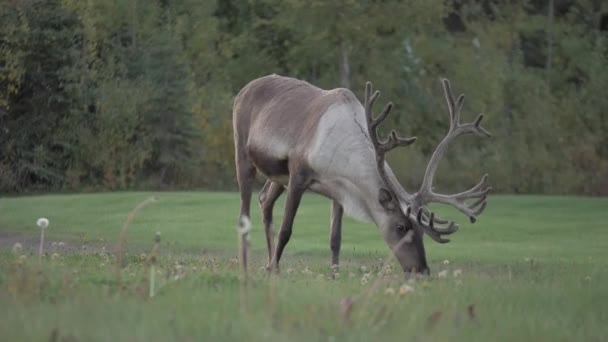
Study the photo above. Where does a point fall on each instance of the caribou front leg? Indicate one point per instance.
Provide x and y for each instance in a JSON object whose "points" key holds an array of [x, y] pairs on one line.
{"points": [[268, 196], [298, 183], [335, 239]]}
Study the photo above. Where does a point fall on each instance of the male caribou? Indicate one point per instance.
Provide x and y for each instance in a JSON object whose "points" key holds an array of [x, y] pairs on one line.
{"points": [[301, 137]]}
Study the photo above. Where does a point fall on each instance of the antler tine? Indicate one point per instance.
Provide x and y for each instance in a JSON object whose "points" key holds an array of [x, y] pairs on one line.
{"points": [[393, 140], [435, 232], [479, 192]]}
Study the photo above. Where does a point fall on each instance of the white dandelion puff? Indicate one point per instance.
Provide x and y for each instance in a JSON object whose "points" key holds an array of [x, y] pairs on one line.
{"points": [[17, 248], [442, 274], [42, 222]]}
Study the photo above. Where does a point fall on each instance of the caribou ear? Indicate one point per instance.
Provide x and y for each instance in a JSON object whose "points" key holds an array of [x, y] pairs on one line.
{"points": [[386, 200]]}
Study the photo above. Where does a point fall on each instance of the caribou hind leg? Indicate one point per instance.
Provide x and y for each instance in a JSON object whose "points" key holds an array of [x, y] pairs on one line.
{"points": [[246, 176], [268, 196]]}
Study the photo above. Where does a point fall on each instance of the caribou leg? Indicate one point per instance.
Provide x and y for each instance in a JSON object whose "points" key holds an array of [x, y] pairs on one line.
{"points": [[246, 176], [268, 196], [298, 183], [335, 239]]}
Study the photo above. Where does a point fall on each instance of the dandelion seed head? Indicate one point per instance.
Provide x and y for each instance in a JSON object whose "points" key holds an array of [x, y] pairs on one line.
{"points": [[389, 291], [54, 256], [363, 269], [42, 222], [446, 262], [17, 248], [442, 274]]}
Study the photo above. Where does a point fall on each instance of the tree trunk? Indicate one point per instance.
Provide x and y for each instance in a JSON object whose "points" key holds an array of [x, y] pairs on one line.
{"points": [[549, 42], [344, 67]]}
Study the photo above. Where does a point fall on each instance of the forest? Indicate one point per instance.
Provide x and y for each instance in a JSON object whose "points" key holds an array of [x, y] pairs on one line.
{"points": [[103, 95]]}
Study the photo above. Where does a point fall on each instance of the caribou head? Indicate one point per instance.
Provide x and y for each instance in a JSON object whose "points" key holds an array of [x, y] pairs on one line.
{"points": [[411, 216]]}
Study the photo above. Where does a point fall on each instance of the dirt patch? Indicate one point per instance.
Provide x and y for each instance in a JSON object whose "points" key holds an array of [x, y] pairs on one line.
{"points": [[32, 243]]}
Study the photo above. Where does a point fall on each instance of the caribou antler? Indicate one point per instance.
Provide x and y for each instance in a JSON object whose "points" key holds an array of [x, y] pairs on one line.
{"points": [[425, 195], [393, 139]]}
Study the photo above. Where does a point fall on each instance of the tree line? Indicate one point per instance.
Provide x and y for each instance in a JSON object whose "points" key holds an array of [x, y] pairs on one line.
{"points": [[132, 94]]}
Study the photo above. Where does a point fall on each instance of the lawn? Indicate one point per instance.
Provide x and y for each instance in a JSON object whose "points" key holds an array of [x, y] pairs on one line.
{"points": [[533, 268]]}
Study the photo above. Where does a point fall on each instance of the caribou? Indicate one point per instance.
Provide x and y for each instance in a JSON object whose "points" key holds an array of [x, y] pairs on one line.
{"points": [[303, 138]]}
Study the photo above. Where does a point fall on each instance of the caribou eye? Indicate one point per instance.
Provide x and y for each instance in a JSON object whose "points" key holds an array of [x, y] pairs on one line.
{"points": [[401, 228]]}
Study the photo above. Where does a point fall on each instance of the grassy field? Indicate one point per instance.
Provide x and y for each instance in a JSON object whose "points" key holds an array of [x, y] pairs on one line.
{"points": [[532, 269]]}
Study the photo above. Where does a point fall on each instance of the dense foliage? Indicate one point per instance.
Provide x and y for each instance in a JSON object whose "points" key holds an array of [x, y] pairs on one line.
{"points": [[120, 94]]}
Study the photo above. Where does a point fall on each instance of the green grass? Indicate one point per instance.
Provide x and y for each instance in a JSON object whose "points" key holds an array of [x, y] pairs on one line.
{"points": [[533, 267]]}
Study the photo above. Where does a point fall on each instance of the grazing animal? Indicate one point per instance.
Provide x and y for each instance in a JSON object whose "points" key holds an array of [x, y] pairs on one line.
{"points": [[301, 138]]}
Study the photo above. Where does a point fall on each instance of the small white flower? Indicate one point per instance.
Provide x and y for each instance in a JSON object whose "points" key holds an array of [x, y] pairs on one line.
{"points": [[61, 244], [389, 291], [405, 289], [43, 222], [363, 269], [366, 278], [17, 248], [457, 273], [446, 262], [442, 274]]}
